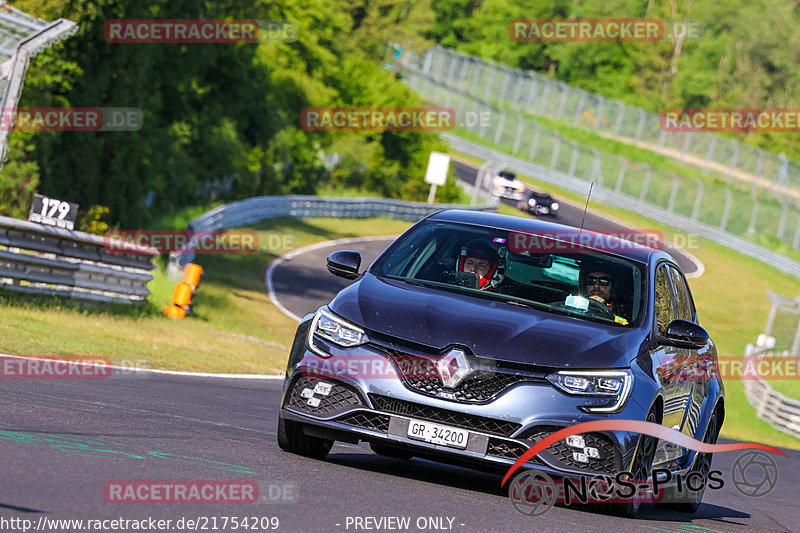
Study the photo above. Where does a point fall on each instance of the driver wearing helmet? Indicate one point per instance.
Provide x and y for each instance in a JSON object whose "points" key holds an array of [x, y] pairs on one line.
{"points": [[478, 257]]}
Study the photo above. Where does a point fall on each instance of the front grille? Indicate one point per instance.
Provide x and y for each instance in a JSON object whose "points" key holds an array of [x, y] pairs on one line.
{"points": [[341, 396], [366, 420], [444, 416], [480, 386], [607, 463], [505, 449]]}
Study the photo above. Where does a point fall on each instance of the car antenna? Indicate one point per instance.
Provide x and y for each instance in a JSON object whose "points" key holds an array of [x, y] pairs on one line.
{"points": [[586, 207]]}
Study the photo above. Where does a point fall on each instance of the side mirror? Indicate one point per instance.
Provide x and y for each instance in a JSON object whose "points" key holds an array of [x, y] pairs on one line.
{"points": [[684, 334], [344, 264]]}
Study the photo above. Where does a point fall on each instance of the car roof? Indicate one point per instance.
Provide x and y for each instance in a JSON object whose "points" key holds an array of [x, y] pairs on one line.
{"points": [[634, 251]]}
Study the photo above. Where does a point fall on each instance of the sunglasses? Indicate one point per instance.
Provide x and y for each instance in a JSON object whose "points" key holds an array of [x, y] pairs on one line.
{"points": [[603, 281]]}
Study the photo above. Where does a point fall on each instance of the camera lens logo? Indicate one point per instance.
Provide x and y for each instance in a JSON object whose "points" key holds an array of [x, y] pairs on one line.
{"points": [[532, 493], [754, 474]]}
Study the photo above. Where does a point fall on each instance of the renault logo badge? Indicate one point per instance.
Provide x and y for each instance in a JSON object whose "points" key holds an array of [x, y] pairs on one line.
{"points": [[453, 368]]}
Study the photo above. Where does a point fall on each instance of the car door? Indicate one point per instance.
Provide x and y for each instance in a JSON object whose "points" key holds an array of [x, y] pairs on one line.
{"points": [[692, 372], [669, 362]]}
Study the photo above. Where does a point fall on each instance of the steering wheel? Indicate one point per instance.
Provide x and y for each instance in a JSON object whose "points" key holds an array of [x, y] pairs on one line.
{"points": [[603, 308]]}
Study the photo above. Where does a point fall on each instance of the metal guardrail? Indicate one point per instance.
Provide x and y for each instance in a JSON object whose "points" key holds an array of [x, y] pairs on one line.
{"points": [[252, 210], [620, 200], [781, 412], [40, 259]]}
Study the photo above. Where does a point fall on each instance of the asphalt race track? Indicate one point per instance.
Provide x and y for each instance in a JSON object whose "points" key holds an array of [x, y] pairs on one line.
{"points": [[63, 440]]}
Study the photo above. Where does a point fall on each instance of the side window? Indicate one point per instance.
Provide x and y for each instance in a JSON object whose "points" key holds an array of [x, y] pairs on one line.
{"points": [[664, 304], [683, 301]]}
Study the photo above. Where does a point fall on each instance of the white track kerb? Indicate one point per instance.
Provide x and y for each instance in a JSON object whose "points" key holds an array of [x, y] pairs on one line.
{"points": [[299, 251]]}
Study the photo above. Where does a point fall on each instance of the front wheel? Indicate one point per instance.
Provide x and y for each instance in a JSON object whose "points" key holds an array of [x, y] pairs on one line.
{"points": [[292, 439], [690, 503], [640, 469]]}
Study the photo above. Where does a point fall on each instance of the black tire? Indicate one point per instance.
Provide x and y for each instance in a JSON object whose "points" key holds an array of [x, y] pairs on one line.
{"points": [[702, 464], [642, 464], [292, 439], [389, 451]]}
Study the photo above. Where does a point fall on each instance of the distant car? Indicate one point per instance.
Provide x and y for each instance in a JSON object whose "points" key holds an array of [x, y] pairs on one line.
{"points": [[508, 185], [538, 203]]}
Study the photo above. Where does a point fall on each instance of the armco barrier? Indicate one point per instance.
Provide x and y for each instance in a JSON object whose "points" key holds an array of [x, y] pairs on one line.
{"points": [[42, 259], [251, 210], [781, 412]]}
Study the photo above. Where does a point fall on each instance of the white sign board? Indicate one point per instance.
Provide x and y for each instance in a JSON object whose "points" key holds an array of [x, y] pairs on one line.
{"points": [[438, 165]]}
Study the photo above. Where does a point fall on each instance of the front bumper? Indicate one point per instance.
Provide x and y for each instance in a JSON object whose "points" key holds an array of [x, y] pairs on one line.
{"points": [[380, 409]]}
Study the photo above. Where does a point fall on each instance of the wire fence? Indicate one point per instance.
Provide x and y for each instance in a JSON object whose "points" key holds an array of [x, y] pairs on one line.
{"points": [[721, 157], [768, 214]]}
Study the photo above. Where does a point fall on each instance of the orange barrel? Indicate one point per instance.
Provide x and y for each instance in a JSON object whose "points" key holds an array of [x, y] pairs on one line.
{"points": [[182, 295], [191, 274], [173, 311]]}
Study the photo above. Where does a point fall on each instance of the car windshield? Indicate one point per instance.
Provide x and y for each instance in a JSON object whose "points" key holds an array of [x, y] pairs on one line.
{"points": [[496, 264]]}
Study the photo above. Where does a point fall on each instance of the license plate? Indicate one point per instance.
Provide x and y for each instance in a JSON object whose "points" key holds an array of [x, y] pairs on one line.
{"points": [[438, 434]]}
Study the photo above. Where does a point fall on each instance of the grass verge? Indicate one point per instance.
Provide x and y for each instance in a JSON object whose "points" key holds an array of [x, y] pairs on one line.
{"points": [[235, 327]]}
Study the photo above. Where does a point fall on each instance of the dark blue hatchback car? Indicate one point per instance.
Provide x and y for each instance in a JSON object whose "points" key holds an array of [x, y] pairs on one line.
{"points": [[474, 335]]}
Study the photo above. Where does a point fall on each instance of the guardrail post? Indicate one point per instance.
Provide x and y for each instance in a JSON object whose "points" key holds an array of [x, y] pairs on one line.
{"points": [[623, 165], [477, 76], [520, 129], [640, 127], [783, 174], [556, 148], [579, 111], [530, 99], [499, 131], [596, 170], [796, 240], [782, 220], [620, 115], [573, 162], [488, 88], [520, 77], [535, 141], [601, 104], [734, 159], [504, 86], [484, 125], [751, 228], [545, 94], [687, 139], [698, 201], [709, 154], [661, 138], [674, 193], [727, 210], [563, 101], [646, 183]]}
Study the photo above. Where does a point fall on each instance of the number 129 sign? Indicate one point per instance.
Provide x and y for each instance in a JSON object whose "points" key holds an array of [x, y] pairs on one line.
{"points": [[53, 212]]}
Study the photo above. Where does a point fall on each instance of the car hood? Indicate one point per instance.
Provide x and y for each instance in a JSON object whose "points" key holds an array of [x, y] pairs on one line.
{"points": [[495, 330]]}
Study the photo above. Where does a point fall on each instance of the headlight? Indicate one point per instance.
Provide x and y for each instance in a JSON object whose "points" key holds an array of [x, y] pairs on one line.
{"points": [[615, 385], [554, 206], [532, 202], [336, 330]]}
